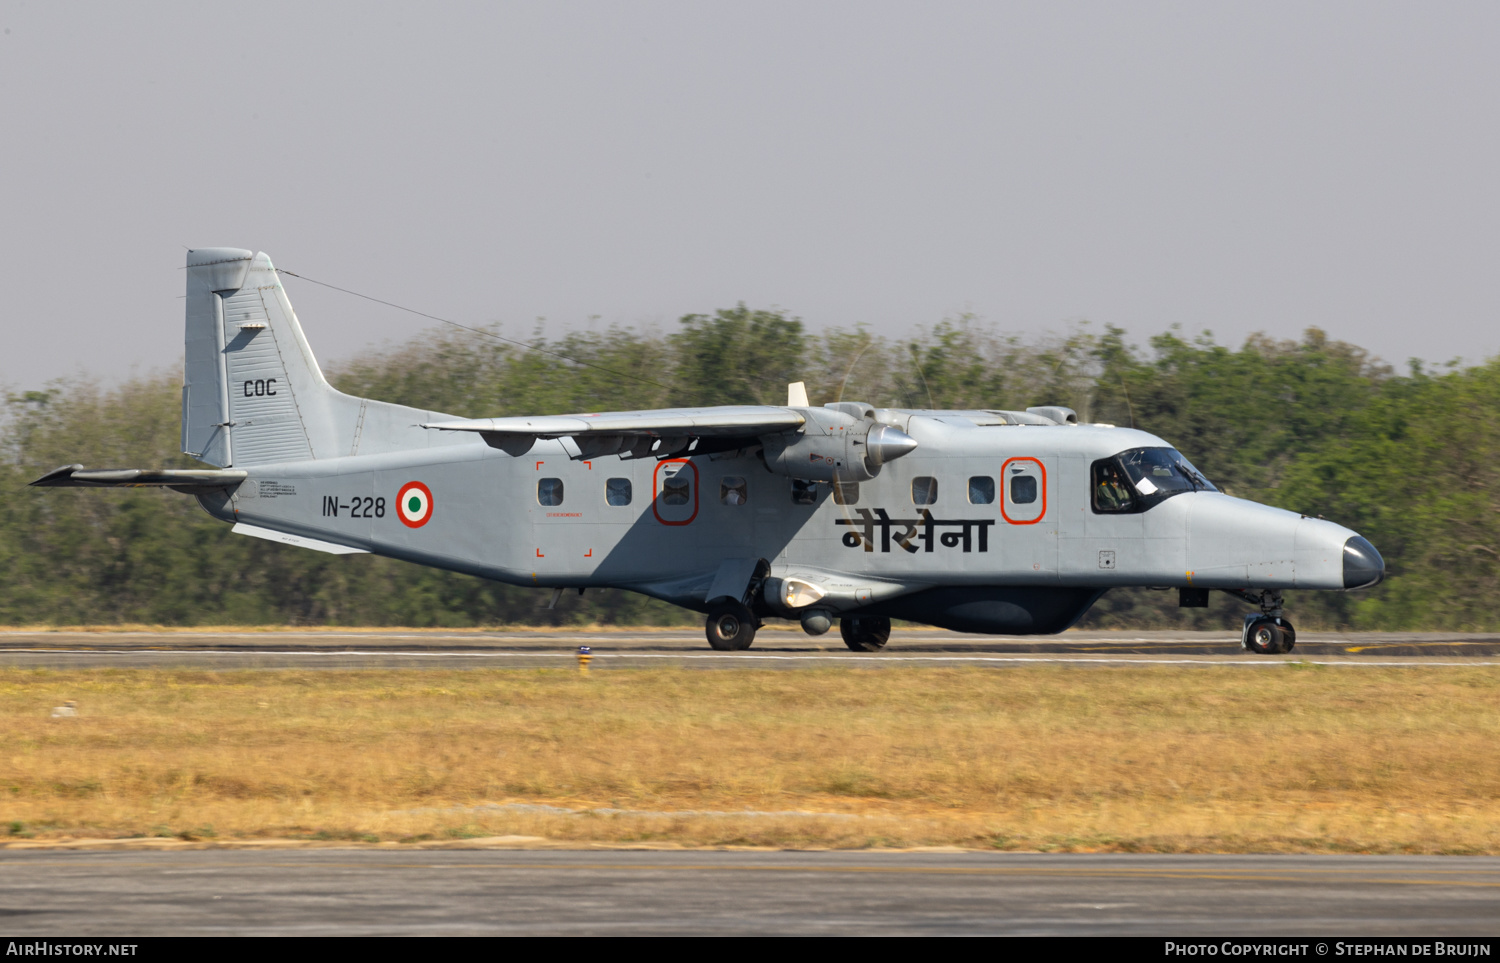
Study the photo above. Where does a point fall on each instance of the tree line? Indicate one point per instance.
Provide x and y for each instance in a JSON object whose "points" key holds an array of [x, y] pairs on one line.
{"points": [[1410, 459]]}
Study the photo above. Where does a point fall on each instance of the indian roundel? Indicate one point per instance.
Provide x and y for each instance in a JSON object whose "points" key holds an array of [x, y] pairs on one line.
{"points": [[414, 504]]}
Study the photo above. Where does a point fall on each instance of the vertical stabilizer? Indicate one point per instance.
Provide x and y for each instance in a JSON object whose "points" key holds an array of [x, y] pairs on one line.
{"points": [[252, 391]]}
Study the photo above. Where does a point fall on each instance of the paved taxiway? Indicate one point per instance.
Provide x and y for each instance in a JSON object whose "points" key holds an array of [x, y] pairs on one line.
{"points": [[376, 892], [773, 649]]}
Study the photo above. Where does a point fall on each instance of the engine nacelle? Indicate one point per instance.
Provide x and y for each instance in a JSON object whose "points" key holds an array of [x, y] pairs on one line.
{"points": [[822, 458], [835, 446]]}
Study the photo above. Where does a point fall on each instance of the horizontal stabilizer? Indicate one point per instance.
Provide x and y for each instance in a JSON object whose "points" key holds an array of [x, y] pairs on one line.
{"points": [[317, 545], [75, 476]]}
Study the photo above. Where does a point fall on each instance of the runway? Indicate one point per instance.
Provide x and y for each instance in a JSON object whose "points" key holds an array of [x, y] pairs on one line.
{"points": [[487, 892], [773, 649]]}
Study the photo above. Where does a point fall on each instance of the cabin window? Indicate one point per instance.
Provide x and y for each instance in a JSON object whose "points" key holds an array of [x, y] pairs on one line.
{"points": [[924, 490], [981, 490], [1111, 489], [732, 490], [676, 491], [617, 491], [549, 491], [1022, 489], [846, 493], [804, 492]]}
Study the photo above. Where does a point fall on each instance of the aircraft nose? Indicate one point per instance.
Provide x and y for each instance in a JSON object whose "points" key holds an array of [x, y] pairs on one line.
{"points": [[1363, 566]]}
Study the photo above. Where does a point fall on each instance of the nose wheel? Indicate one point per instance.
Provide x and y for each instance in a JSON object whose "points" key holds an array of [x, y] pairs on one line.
{"points": [[1269, 635]]}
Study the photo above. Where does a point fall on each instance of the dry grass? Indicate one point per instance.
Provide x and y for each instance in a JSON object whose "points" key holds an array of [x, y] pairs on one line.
{"points": [[1150, 759]]}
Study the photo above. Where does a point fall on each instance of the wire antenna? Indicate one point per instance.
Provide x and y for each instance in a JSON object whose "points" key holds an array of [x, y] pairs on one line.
{"points": [[478, 331]]}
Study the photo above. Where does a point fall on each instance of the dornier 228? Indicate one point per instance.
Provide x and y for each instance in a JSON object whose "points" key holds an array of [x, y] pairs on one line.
{"points": [[976, 521]]}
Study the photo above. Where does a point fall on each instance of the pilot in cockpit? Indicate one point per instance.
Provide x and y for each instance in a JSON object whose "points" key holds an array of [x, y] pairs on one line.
{"points": [[1111, 494]]}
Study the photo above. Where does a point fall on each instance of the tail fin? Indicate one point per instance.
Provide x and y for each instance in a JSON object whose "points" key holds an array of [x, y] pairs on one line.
{"points": [[252, 391]]}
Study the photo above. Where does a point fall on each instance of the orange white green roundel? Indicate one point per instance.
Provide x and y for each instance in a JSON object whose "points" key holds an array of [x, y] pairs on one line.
{"points": [[414, 504]]}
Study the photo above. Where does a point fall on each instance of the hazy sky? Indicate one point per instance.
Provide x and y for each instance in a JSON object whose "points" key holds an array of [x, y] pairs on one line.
{"points": [[1239, 167]]}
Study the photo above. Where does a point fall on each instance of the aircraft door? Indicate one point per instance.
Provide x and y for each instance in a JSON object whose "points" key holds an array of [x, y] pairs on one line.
{"points": [[1028, 535], [557, 498], [676, 492]]}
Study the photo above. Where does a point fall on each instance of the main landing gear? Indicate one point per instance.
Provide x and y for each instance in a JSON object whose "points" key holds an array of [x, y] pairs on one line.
{"points": [[865, 633], [731, 626], [1268, 633]]}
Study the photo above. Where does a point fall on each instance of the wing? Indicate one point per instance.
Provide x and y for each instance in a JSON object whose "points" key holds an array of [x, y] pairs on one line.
{"points": [[635, 434]]}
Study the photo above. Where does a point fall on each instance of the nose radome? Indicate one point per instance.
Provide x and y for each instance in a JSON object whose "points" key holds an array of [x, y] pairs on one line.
{"points": [[1363, 566]]}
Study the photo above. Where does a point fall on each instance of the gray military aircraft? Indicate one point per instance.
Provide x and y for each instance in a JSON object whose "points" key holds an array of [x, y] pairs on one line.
{"points": [[1010, 522]]}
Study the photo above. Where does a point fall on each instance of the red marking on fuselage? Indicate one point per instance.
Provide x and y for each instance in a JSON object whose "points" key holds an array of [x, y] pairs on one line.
{"points": [[656, 487], [1005, 491]]}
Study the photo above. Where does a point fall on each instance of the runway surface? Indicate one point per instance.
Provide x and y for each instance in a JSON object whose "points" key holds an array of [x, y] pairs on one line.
{"points": [[370, 892], [773, 649]]}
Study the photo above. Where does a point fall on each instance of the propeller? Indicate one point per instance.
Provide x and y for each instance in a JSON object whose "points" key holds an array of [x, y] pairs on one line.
{"points": [[885, 443]]}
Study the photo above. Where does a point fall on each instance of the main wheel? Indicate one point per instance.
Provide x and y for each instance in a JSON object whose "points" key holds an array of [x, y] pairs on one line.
{"points": [[1267, 637], [731, 626], [864, 633]]}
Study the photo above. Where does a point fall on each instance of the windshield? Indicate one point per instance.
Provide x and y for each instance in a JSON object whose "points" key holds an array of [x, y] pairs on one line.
{"points": [[1159, 473]]}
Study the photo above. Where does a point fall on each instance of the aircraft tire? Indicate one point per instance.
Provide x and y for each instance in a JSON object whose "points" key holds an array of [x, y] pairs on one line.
{"points": [[865, 634], [1267, 637], [731, 626]]}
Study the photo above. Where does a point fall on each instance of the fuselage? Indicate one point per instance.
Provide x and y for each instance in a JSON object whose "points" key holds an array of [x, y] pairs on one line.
{"points": [[1010, 506]]}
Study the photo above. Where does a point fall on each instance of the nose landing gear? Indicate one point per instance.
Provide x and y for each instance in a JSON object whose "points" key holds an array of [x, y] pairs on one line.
{"points": [[1269, 636], [1268, 633]]}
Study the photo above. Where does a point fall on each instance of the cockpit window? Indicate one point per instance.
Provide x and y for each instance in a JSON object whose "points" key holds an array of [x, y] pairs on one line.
{"points": [[1154, 470], [1134, 481]]}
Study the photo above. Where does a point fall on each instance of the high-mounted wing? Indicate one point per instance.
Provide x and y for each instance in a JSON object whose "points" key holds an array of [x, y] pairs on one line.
{"points": [[635, 434]]}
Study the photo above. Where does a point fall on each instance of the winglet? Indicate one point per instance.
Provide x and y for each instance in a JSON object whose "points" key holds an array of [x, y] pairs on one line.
{"points": [[796, 395]]}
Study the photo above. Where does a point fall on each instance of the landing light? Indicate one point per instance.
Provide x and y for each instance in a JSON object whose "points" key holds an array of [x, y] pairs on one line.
{"points": [[796, 593]]}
